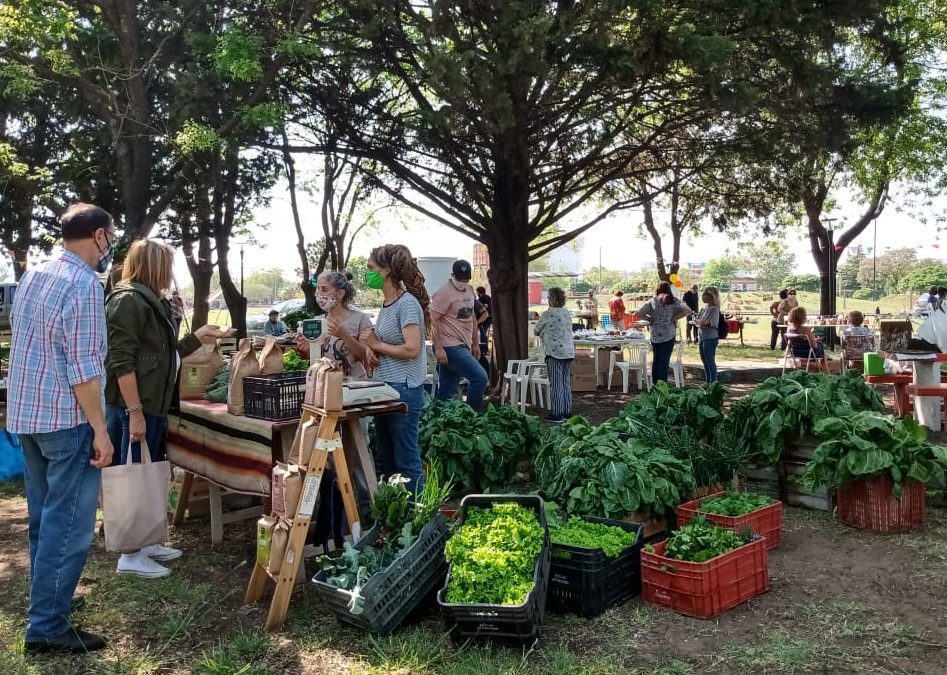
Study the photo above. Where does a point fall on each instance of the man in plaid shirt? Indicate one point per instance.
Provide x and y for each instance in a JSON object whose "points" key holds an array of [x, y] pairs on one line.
{"points": [[56, 382]]}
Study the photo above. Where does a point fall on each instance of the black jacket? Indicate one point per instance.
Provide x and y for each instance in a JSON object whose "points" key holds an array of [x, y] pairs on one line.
{"points": [[691, 300]]}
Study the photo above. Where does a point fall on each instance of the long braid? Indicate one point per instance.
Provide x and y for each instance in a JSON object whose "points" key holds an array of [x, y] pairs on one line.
{"points": [[403, 267]]}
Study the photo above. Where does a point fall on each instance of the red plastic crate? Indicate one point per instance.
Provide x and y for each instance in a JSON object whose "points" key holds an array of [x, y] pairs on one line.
{"points": [[766, 521], [869, 504], [708, 589]]}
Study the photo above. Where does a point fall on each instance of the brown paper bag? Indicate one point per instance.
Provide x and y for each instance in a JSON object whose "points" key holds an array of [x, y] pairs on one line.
{"points": [[278, 542], [271, 357], [324, 385], [264, 539], [198, 370], [243, 364], [286, 487]]}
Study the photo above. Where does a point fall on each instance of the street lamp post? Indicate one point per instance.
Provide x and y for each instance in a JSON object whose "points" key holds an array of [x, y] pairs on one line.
{"points": [[241, 269]]}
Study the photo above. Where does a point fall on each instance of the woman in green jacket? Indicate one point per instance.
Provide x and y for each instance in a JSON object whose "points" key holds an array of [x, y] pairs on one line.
{"points": [[144, 355]]}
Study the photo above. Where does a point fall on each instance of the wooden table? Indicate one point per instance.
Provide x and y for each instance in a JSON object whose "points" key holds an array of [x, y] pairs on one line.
{"points": [[232, 453], [927, 409]]}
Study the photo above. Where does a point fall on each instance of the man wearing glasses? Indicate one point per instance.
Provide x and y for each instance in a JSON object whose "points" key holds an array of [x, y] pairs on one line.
{"points": [[55, 404]]}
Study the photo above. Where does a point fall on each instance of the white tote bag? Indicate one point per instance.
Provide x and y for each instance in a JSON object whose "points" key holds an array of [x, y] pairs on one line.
{"points": [[135, 503]]}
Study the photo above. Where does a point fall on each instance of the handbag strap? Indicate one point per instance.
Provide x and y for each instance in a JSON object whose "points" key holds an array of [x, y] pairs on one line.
{"points": [[145, 452]]}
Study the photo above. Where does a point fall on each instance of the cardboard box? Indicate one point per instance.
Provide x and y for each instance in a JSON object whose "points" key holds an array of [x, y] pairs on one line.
{"points": [[584, 382]]}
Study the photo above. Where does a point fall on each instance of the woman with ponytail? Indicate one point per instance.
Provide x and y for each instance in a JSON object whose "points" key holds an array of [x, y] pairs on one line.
{"points": [[397, 346]]}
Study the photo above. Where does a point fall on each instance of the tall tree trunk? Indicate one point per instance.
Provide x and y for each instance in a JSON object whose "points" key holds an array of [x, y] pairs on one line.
{"points": [[201, 268], [309, 291], [225, 194], [509, 264], [664, 268]]}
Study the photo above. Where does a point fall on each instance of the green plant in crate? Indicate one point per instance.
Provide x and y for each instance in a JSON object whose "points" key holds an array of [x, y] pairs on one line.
{"points": [[700, 541], [867, 444], [583, 534], [493, 555], [294, 363], [789, 406], [699, 409], [735, 503], [594, 471]]}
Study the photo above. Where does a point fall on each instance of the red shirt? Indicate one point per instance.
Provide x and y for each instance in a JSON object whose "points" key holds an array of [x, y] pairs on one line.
{"points": [[616, 308]]}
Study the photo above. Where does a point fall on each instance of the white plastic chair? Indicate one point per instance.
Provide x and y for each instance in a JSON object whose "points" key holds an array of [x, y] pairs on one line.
{"points": [[513, 379], [535, 382], [636, 360], [677, 366]]}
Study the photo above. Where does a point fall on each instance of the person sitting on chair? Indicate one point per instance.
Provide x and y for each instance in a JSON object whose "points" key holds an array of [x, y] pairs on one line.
{"points": [[803, 341]]}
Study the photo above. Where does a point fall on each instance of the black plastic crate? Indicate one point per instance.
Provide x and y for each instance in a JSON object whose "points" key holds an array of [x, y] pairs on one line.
{"points": [[278, 396], [515, 625], [392, 594], [585, 581]]}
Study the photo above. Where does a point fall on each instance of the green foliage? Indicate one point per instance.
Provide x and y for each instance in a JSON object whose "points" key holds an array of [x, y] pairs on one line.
{"points": [[390, 503], [217, 389], [700, 541], [717, 272], [478, 451], [888, 268], [195, 137], [292, 319], [866, 444], [790, 406], [923, 275], [432, 497], [237, 55], [735, 503], [263, 115], [803, 282], [583, 534], [294, 363], [599, 471], [493, 555], [700, 408], [770, 262], [863, 294]]}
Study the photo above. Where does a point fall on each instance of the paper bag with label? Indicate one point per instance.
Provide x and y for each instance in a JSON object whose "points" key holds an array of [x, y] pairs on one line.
{"points": [[324, 385], [243, 364], [264, 539], [278, 544], [198, 370], [271, 357], [287, 485]]}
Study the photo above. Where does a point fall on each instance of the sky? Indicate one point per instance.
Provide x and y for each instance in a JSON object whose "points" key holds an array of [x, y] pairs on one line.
{"points": [[615, 239]]}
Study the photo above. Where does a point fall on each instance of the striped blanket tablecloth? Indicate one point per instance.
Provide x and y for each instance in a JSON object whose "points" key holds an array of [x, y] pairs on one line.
{"points": [[237, 453]]}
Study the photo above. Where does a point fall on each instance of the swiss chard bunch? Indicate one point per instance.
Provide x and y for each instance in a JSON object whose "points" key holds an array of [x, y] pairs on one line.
{"points": [[293, 362], [493, 555], [735, 503], [700, 541], [581, 533], [699, 408], [791, 405], [476, 451], [866, 444], [594, 470], [391, 503]]}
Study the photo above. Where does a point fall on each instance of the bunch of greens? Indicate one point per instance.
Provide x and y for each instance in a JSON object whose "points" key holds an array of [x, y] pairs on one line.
{"points": [[293, 362], [493, 555], [292, 319], [790, 406], [477, 451], [700, 541], [867, 444], [400, 521], [583, 534], [698, 409], [595, 471], [735, 503], [713, 458], [218, 387]]}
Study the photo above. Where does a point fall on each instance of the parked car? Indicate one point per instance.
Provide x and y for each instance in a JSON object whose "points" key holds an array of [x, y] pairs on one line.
{"points": [[255, 322]]}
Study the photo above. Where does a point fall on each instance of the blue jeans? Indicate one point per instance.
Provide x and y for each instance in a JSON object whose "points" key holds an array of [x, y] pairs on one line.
{"points": [[661, 359], [461, 363], [62, 492], [398, 450], [708, 356], [156, 431]]}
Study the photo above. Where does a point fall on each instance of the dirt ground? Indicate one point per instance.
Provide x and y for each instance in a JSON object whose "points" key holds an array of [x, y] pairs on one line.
{"points": [[840, 601]]}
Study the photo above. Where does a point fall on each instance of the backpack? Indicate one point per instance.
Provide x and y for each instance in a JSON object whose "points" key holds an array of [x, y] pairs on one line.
{"points": [[723, 327]]}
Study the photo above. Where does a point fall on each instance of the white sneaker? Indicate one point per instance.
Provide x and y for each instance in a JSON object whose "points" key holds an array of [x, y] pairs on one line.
{"points": [[141, 565], [162, 553]]}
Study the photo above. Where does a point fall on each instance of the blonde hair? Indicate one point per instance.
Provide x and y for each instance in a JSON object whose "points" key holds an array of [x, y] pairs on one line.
{"points": [[149, 263], [797, 316], [713, 293]]}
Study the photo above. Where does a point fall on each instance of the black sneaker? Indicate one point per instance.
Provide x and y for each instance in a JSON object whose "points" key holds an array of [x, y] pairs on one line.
{"points": [[73, 640], [554, 419]]}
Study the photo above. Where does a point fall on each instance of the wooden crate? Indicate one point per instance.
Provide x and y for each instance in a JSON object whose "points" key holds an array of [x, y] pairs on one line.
{"points": [[796, 455]]}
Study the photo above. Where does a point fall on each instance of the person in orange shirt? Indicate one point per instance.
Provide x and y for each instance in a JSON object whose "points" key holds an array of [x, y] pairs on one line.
{"points": [[616, 309]]}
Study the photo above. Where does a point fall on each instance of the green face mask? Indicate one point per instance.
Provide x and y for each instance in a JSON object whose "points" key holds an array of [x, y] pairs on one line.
{"points": [[374, 279]]}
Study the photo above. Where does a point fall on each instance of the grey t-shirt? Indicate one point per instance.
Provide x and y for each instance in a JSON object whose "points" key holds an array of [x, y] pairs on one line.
{"points": [[389, 328], [712, 314], [663, 326]]}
